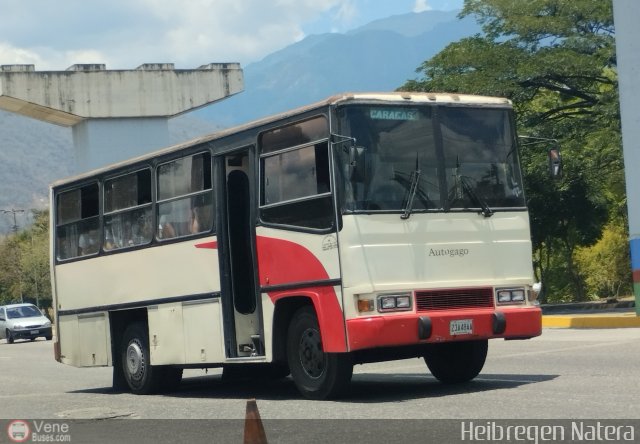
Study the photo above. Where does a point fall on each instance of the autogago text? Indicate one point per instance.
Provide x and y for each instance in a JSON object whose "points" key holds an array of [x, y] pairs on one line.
{"points": [[453, 252]]}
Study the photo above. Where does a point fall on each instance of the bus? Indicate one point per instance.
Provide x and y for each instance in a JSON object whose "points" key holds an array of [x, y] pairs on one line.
{"points": [[363, 228]]}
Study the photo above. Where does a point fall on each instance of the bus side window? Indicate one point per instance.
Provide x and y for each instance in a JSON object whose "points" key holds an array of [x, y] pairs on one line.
{"points": [[127, 210], [295, 182], [296, 188], [185, 198], [78, 222]]}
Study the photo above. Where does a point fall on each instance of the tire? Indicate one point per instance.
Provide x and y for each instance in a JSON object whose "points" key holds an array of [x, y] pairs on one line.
{"points": [[141, 377], [317, 375], [10, 339], [456, 362], [48, 338]]}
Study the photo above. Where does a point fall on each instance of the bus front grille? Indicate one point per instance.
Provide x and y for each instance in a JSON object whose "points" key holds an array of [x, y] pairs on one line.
{"points": [[454, 299]]}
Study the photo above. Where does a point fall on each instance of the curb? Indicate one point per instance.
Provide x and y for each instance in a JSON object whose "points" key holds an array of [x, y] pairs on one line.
{"points": [[618, 320]]}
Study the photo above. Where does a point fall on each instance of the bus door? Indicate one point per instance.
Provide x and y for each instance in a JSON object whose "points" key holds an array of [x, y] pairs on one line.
{"points": [[236, 245]]}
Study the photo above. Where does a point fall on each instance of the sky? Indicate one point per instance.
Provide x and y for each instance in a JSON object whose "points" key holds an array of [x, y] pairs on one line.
{"points": [[123, 34]]}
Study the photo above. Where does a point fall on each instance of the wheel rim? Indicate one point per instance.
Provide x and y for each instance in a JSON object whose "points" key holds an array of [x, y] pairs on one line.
{"points": [[135, 360], [312, 358]]}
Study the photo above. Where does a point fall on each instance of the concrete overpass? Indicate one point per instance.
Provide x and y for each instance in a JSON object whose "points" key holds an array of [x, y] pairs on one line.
{"points": [[115, 114]]}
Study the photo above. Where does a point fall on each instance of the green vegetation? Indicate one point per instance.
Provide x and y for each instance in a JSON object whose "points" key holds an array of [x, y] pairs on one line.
{"points": [[24, 264], [556, 61]]}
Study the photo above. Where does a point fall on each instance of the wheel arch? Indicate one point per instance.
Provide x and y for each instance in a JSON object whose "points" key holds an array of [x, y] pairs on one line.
{"points": [[283, 313], [118, 322], [330, 319]]}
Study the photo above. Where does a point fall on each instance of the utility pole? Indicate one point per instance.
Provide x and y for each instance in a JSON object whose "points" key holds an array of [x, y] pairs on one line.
{"points": [[14, 228], [13, 211]]}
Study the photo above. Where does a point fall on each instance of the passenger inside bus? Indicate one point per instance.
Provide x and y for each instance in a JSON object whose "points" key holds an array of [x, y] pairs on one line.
{"points": [[186, 216], [88, 243]]}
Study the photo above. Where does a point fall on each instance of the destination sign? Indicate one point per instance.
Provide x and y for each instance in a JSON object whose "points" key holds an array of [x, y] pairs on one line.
{"points": [[393, 114]]}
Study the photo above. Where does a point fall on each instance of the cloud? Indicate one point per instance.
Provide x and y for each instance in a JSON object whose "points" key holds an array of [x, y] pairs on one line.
{"points": [[17, 56], [421, 6], [126, 33], [346, 12], [46, 58]]}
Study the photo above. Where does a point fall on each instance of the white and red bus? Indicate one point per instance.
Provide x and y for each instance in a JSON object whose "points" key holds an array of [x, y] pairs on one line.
{"points": [[363, 228]]}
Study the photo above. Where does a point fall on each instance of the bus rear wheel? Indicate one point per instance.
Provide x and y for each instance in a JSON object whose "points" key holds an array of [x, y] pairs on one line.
{"points": [[317, 375], [456, 362], [142, 377]]}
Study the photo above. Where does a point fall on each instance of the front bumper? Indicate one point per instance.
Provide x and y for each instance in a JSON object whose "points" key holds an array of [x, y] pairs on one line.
{"points": [[32, 333], [435, 326]]}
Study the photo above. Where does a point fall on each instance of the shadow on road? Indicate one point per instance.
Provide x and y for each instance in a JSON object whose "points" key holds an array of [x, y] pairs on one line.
{"points": [[365, 387]]}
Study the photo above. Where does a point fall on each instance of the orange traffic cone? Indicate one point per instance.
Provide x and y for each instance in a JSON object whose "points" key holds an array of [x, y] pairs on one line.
{"points": [[253, 428]]}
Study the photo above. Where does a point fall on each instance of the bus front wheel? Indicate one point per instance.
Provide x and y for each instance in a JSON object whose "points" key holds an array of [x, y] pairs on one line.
{"points": [[317, 375], [456, 362], [142, 378]]}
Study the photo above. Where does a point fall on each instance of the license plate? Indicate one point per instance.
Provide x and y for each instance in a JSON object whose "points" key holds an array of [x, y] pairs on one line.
{"points": [[34, 332], [461, 327]]}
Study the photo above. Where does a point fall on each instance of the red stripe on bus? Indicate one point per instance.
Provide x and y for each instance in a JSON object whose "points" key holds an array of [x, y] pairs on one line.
{"points": [[212, 245], [283, 262]]}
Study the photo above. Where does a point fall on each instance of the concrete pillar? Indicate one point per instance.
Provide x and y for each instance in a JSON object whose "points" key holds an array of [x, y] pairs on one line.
{"points": [[99, 142], [627, 16], [115, 114]]}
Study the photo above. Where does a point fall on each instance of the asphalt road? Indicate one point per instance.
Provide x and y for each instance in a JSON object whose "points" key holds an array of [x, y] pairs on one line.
{"points": [[565, 373]]}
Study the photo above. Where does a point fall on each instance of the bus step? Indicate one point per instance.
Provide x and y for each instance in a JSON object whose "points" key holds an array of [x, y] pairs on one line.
{"points": [[246, 348], [258, 348], [255, 348]]}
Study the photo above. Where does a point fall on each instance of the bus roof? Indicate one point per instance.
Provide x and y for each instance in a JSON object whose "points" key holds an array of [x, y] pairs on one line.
{"points": [[396, 97]]}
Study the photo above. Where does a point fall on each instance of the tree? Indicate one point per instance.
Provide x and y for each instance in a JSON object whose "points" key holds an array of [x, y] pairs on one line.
{"points": [[10, 271], [555, 60], [607, 264], [24, 264], [36, 282]]}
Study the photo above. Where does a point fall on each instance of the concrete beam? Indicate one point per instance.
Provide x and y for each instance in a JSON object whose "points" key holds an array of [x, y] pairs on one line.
{"points": [[91, 92]]}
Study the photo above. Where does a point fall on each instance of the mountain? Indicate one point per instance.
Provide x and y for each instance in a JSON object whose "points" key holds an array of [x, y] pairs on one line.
{"points": [[34, 154], [379, 56]]}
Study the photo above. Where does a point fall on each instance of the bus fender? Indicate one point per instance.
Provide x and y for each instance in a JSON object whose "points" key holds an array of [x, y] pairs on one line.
{"points": [[328, 311]]}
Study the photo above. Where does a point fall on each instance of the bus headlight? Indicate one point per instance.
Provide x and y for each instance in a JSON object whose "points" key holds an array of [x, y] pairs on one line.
{"points": [[510, 295], [394, 302]]}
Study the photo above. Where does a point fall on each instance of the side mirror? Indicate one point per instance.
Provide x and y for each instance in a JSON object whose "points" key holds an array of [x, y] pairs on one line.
{"points": [[555, 163]]}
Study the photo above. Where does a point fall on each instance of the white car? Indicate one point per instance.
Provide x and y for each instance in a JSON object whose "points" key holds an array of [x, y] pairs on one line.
{"points": [[23, 321]]}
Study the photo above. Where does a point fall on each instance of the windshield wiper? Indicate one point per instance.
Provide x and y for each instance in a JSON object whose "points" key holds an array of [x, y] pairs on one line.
{"points": [[413, 188], [486, 211]]}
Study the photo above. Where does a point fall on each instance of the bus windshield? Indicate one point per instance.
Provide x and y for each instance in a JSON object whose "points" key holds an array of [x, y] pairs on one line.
{"points": [[428, 158]]}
